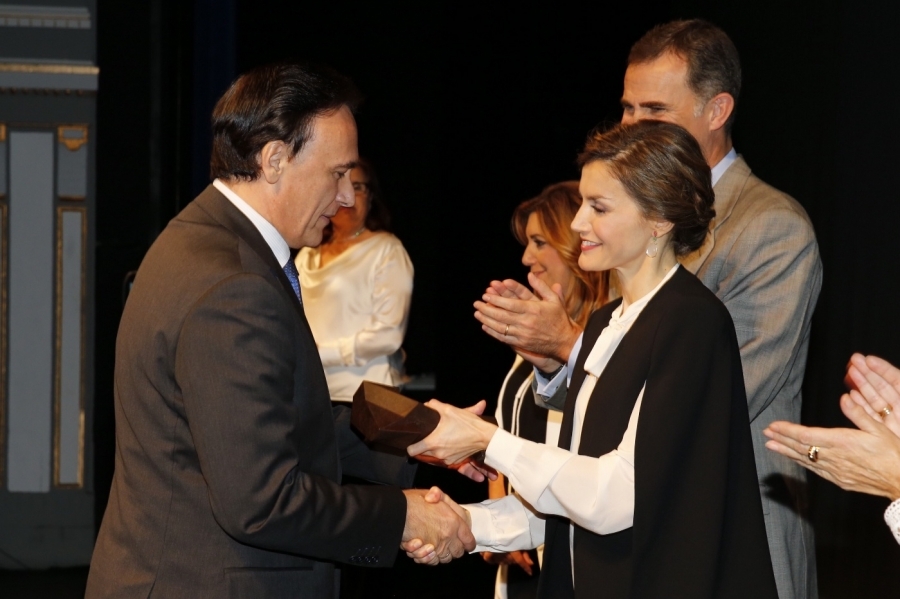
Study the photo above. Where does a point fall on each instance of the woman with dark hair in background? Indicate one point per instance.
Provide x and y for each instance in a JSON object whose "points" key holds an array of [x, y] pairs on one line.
{"points": [[356, 289], [652, 491], [541, 224]]}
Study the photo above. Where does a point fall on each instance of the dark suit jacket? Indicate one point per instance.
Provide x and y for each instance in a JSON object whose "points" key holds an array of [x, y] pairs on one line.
{"points": [[227, 465], [698, 523]]}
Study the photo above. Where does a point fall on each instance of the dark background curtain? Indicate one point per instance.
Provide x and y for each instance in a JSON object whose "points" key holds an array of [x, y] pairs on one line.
{"points": [[473, 108]]}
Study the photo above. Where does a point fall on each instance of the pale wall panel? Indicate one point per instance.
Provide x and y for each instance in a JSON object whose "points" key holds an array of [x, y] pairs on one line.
{"points": [[71, 346], [31, 249]]}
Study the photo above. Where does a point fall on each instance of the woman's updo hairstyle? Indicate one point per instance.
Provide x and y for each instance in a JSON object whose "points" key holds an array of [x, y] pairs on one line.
{"points": [[662, 167]]}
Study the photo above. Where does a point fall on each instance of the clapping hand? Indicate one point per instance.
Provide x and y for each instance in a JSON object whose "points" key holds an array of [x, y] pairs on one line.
{"points": [[865, 460], [875, 386], [535, 324]]}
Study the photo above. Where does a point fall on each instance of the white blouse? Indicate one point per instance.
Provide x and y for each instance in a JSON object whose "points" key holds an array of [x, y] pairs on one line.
{"points": [[595, 493], [892, 518], [357, 306]]}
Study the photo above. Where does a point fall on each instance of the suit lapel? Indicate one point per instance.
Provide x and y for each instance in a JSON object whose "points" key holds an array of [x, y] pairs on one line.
{"points": [[728, 190], [222, 210]]}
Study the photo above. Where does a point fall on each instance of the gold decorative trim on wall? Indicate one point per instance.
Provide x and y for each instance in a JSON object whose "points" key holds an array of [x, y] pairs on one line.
{"points": [[72, 136], [4, 270], [57, 378], [49, 69]]}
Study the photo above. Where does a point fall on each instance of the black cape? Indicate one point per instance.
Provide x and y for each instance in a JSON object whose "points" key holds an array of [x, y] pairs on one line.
{"points": [[698, 523]]}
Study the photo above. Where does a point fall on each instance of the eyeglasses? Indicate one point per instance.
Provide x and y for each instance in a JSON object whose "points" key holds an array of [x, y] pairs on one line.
{"points": [[360, 187]]}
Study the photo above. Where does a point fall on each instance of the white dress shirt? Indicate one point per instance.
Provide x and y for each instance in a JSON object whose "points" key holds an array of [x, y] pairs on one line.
{"points": [[595, 493], [266, 229]]}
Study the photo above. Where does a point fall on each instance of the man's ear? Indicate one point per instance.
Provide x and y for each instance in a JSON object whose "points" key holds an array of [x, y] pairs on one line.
{"points": [[272, 160], [722, 107]]}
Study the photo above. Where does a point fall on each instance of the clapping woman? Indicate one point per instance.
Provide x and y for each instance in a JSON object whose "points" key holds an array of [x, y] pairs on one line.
{"points": [[652, 491]]}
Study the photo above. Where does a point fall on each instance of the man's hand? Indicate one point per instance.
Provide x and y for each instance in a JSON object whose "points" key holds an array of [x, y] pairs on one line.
{"points": [[436, 531], [865, 460], [459, 434], [537, 326], [423, 553]]}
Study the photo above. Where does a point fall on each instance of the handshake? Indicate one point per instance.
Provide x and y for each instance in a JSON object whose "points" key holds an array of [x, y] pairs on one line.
{"points": [[446, 526], [437, 530]]}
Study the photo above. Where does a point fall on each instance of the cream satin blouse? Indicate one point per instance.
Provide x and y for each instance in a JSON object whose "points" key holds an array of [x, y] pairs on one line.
{"points": [[357, 306]]}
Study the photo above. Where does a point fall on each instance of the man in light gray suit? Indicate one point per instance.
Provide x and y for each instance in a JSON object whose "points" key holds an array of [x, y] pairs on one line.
{"points": [[760, 258]]}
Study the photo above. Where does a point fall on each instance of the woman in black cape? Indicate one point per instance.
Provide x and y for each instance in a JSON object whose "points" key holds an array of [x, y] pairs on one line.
{"points": [[652, 491]]}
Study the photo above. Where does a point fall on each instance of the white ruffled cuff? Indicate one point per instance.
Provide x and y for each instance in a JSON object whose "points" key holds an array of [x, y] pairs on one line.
{"points": [[892, 518]]}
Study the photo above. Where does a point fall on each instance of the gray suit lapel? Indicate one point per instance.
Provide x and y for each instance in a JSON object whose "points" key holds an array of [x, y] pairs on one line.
{"points": [[728, 190]]}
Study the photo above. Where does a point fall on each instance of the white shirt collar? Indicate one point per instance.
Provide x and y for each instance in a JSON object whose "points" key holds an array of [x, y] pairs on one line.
{"points": [[618, 326], [276, 242], [719, 169]]}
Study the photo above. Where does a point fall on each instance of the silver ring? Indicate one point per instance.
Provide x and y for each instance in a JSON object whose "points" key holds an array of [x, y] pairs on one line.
{"points": [[506, 332], [884, 413], [813, 453]]}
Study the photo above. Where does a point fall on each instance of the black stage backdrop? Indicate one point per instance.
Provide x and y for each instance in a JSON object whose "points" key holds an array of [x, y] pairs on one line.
{"points": [[471, 109]]}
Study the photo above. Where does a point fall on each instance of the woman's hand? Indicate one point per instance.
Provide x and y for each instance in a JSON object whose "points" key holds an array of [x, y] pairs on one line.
{"points": [[865, 460], [875, 385], [518, 558], [535, 324], [459, 434]]}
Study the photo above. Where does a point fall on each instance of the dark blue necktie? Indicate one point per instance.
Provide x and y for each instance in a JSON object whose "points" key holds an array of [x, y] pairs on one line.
{"points": [[290, 269]]}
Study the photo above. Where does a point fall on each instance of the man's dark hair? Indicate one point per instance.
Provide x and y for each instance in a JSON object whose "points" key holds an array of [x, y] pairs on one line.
{"points": [[662, 168], [713, 65], [273, 103]]}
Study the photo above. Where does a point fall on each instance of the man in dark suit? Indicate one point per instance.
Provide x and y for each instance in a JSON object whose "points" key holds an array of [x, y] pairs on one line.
{"points": [[228, 464]]}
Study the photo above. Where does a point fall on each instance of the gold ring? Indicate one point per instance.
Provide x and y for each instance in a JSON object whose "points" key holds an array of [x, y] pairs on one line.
{"points": [[506, 332], [813, 453], [885, 412]]}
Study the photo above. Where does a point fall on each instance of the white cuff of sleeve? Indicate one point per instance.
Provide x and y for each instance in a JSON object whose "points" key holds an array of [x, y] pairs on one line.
{"points": [[892, 518], [547, 387], [330, 355], [481, 526], [502, 451], [501, 525]]}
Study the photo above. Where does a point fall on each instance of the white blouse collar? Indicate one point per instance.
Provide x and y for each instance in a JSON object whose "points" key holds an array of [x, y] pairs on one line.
{"points": [[618, 325]]}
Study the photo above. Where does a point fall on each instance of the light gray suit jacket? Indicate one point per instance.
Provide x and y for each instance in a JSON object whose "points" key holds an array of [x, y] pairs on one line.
{"points": [[762, 260]]}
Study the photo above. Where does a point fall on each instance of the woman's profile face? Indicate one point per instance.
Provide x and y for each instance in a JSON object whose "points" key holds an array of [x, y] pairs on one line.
{"points": [[614, 233], [352, 218], [542, 258]]}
